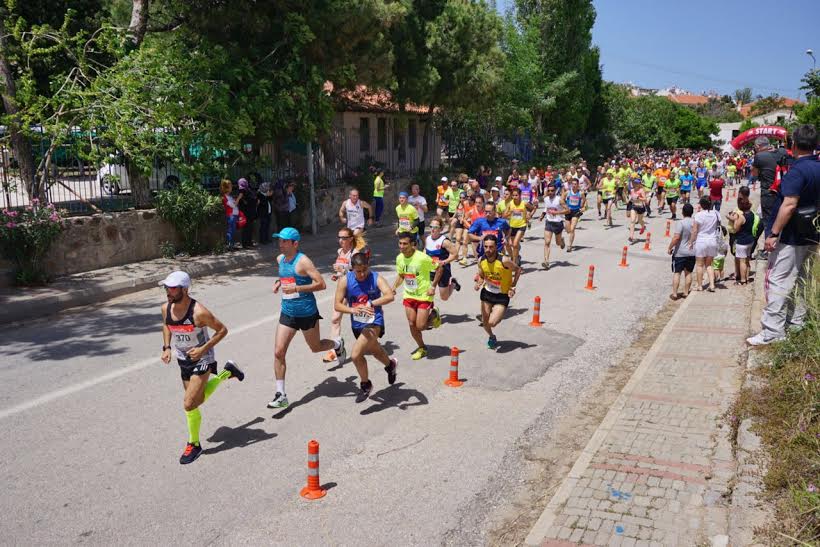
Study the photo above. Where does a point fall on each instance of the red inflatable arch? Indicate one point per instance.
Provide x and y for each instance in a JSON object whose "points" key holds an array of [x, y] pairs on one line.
{"points": [[770, 131]]}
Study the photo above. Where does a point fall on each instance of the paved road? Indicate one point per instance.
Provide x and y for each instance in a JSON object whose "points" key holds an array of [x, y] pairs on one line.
{"points": [[92, 422]]}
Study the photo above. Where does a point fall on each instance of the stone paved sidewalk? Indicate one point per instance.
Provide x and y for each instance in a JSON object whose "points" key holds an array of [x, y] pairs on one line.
{"points": [[658, 470]]}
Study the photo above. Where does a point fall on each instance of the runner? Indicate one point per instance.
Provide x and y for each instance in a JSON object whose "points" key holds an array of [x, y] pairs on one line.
{"points": [[597, 186], [649, 181], [362, 293], [420, 203], [457, 226], [489, 224], [554, 211], [413, 268], [186, 323], [701, 174], [349, 245], [673, 185], [518, 214], [407, 217], [497, 283], [443, 253], [686, 183], [576, 202], [351, 213], [662, 175], [467, 219], [442, 208], [298, 280], [607, 189], [638, 199]]}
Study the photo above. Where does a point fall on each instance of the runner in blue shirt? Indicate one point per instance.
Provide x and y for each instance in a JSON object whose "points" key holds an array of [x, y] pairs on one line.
{"points": [[490, 224]]}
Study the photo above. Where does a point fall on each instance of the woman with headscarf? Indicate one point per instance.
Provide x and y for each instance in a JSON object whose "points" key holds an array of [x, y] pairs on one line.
{"points": [[247, 204]]}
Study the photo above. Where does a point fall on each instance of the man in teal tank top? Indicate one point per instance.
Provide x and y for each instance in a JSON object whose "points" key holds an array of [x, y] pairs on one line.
{"points": [[298, 280]]}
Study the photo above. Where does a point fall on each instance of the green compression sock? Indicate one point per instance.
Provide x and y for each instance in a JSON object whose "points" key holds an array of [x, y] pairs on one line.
{"points": [[194, 420], [214, 382]]}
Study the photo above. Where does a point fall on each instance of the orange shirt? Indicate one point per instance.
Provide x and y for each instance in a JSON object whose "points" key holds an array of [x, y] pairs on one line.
{"points": [[440, 194], [469, 212], [661, 175]]}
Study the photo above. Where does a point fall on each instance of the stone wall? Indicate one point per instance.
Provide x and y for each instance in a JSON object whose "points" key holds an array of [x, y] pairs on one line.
{"points": [[113, 239]]}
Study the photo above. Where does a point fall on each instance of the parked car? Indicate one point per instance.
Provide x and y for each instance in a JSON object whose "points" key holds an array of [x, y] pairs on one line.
{"points": [[113, 178]]}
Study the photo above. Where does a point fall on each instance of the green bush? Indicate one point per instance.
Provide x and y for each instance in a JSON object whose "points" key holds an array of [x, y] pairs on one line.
{"points": [[189, 208], [25, 237]]}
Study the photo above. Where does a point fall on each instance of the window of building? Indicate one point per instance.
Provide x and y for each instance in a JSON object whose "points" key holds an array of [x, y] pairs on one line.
{"points": [[382, 134], [364, 134]]}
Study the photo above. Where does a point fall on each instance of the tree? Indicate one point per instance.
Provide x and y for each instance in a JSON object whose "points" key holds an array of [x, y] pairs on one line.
{"points": [[811, 84], [743, 96], [767, 104], [720, 110]]}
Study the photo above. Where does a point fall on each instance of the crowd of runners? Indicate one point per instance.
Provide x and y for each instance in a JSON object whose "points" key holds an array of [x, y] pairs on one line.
{"points": [[481, 230]]}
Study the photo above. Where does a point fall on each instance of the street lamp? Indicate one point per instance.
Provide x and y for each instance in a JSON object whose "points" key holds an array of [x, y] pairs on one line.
{"points": [[810, 53]]}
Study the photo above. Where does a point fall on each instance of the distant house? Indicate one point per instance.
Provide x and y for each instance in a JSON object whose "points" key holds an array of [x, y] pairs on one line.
{"points": [[688, 100], [785, 111], [370, 128]]}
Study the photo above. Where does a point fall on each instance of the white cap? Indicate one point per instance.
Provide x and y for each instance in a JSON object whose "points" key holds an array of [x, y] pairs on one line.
{"points": [[443, 179], [498, 179], [495, 189], [176, 279]]}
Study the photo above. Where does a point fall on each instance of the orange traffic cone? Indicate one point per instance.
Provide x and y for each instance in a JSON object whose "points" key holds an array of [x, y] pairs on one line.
{"points": [[313, 491], [668, 228], [623, 263], [590, 278], [647, 245], [536, 312], [453, 380]]}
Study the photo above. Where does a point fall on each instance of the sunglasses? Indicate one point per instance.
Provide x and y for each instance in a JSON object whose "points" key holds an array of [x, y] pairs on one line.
{"points": [[345, 237]]}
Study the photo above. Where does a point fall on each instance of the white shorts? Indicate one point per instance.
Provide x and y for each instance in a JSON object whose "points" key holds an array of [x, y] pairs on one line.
{"points": [[743, 251], [705, 249]]}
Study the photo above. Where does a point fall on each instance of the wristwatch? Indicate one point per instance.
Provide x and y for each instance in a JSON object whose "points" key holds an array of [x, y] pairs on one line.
{"points": [[774, 235], [165, 347]]}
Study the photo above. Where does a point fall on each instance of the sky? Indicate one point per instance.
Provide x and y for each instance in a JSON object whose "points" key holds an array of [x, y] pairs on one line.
{"points": [[703, 45]]}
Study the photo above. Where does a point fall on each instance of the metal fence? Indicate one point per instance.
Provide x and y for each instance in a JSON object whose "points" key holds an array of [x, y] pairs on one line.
{"points": [[79, 186]]}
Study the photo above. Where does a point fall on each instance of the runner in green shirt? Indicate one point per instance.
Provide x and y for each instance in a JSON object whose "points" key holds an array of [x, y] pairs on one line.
{"points": [[673, 194], [413, 268]]}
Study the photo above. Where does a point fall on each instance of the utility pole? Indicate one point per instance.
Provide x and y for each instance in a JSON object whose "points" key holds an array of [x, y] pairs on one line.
{"points": [[314, 223]]}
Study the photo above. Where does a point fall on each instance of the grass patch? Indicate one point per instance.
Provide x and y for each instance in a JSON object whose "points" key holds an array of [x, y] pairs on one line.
{"points": [[785, 410]]}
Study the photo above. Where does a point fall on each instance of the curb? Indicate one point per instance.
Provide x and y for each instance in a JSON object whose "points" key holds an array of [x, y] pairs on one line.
{"points": [[50, 304], [539, 530]]}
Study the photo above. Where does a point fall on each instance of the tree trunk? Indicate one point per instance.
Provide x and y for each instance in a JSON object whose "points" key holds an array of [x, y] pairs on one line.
{"points": [[139, 22], [425, 145], [20, 143], [140, 192]]}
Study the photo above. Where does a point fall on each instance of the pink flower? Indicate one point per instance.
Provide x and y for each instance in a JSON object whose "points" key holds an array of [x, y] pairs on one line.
{"points": [[11, 214], [51, 206], [35, 201], [811, 488], [54, 217], [809, 377], [10, 225]]}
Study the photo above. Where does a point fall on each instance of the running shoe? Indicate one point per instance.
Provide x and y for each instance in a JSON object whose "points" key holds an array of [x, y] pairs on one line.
{"points": [[419, 353], [463, 261], [563, 244], [364, 391], [231, 367], [545, 265], [391, 371], [760, 339], [280, 400], [643, 229], [191, 452], [436, 319], [330, 357], [454, 283], [492, 342], [341, 353]]}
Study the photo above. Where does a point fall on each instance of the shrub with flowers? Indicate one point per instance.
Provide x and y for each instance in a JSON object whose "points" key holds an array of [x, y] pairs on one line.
{"points": [[25, 237]]}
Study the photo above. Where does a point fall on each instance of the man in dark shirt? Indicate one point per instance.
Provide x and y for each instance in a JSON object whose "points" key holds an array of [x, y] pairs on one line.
{"points": [[764, 167], [790, 241]]}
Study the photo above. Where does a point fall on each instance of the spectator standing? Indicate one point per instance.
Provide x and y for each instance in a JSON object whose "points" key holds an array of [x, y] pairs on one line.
{"points": [[704, 240], [764, 167], [683, 256], [264, 211], [791, 238], [280, 204], [292, 205], [231, 211], [247, 204], [743, 222], [420, 203], [378, 194]]}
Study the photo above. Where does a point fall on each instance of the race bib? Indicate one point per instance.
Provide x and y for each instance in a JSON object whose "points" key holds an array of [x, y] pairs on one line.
{"points": [[286, 282], [459, 214], [436, 260], [183, 335], [518, 214], [410, 282], [405, 223], [493, 285], [342, 264], [360, 316]]}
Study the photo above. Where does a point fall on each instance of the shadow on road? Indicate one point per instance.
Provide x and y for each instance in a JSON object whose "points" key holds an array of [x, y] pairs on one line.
{"points": [[238, 437], [330, 387], [395, 397], [506, 346]]}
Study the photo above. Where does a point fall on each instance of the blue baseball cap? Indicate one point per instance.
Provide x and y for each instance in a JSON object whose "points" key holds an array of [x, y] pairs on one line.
{"points": [[403, 194], [291, 234]]}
